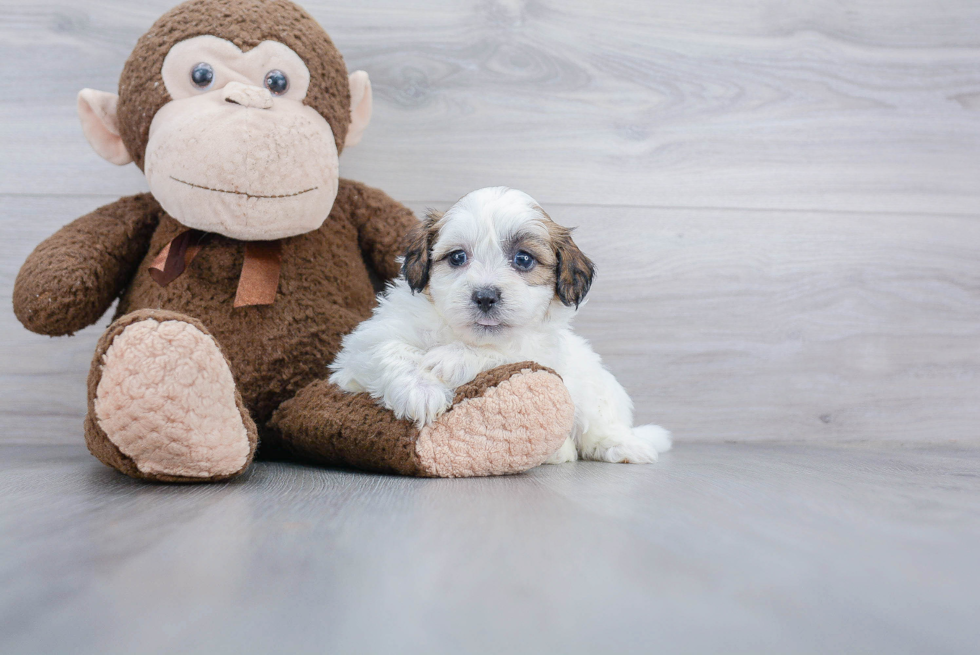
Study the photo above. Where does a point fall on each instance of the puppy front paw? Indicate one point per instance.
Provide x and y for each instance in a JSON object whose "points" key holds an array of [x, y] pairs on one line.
{"points": [[566, 453], [456, 364], [422, 401], [346, 381], [641, 445]]}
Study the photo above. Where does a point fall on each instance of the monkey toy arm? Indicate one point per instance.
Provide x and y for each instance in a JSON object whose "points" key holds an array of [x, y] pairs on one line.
{"points": [[72, 277], [381, 223]]}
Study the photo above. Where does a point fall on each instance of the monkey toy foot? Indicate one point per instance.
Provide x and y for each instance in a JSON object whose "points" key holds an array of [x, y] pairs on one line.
{"points": [[163, 403], [512, 419], [507, 420]]}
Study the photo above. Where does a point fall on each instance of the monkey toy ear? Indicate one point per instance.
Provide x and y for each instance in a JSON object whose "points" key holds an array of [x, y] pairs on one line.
{"points": [[361, 103], [97, 111]]}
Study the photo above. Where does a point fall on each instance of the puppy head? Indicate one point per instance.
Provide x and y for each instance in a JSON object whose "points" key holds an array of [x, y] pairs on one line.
{"points": [[495, 262]]}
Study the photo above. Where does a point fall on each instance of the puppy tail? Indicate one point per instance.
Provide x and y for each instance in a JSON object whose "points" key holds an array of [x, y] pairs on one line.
{"points": [[654, 435]]}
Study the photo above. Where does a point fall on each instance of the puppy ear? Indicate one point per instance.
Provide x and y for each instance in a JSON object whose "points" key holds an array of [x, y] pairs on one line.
{"points": [[574, 271], [418, 252]]}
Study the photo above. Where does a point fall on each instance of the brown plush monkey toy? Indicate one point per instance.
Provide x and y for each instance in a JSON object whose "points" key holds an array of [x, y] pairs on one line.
{"points": [[240, 272]]}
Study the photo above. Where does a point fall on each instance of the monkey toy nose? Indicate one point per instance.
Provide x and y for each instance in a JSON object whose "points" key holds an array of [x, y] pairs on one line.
{"points": [[246, 95], [486, 298]]}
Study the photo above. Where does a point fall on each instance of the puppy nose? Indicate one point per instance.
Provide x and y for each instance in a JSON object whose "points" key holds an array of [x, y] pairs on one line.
{"points": [[246, 95], [486, 298]]}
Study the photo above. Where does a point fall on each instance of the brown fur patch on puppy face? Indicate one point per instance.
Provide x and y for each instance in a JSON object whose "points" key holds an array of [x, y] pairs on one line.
{"points": [[246, 23], [543, 274], [418, 252], [573, 271]]}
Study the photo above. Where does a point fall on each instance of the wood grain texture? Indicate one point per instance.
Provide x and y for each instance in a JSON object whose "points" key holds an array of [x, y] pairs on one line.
{"points": [[870, 106], [782, 197], [717, 548], [723, 325]]}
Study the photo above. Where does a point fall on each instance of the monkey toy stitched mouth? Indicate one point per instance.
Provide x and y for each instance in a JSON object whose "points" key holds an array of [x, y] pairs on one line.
{"points": [[243, 193]]}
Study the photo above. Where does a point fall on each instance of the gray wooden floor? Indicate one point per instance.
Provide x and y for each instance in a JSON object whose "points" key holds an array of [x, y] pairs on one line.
{"points": [[754, 548], [783, 199]]}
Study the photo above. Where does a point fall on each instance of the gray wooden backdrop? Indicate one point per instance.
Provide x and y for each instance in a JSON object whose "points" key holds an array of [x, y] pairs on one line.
{"points": [[783, 197]]}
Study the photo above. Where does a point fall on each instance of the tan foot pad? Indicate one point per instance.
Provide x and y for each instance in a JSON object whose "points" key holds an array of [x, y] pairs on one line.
{"points": [[511, 427], [167, 400]]}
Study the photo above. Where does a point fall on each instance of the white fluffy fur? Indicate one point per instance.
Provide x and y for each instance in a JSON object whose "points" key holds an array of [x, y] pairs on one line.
{"points": [[418, 348]]}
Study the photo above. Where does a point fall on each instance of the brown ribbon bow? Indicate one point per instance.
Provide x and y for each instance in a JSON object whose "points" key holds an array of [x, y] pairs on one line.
{"points": [[257, 283]]}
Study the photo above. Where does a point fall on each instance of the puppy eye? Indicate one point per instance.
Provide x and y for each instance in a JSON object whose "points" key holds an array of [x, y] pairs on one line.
{"points": [[202, 75], [457, 258], [523, 260], [276, 82]]}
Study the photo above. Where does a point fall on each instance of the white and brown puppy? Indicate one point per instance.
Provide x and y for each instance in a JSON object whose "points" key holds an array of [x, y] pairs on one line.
{"points": [[492, 281]]}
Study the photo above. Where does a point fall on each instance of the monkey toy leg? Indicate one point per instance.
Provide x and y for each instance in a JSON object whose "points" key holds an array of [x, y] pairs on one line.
{"points": [[507, 420], [163, 405], [162, 402]]}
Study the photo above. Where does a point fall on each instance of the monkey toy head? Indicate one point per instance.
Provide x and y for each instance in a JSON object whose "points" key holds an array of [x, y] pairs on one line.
{"points": [[236, 111]]}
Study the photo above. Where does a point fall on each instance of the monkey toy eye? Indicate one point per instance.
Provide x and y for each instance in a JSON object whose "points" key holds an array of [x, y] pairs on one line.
{"points": [[457, 258], [202, 75], [276, 82], [523, 260]]}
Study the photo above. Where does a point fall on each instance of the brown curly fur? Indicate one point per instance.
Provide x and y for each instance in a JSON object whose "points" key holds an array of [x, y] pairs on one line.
{"points": [[324, 292], [74, 276], [275, 350]]}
